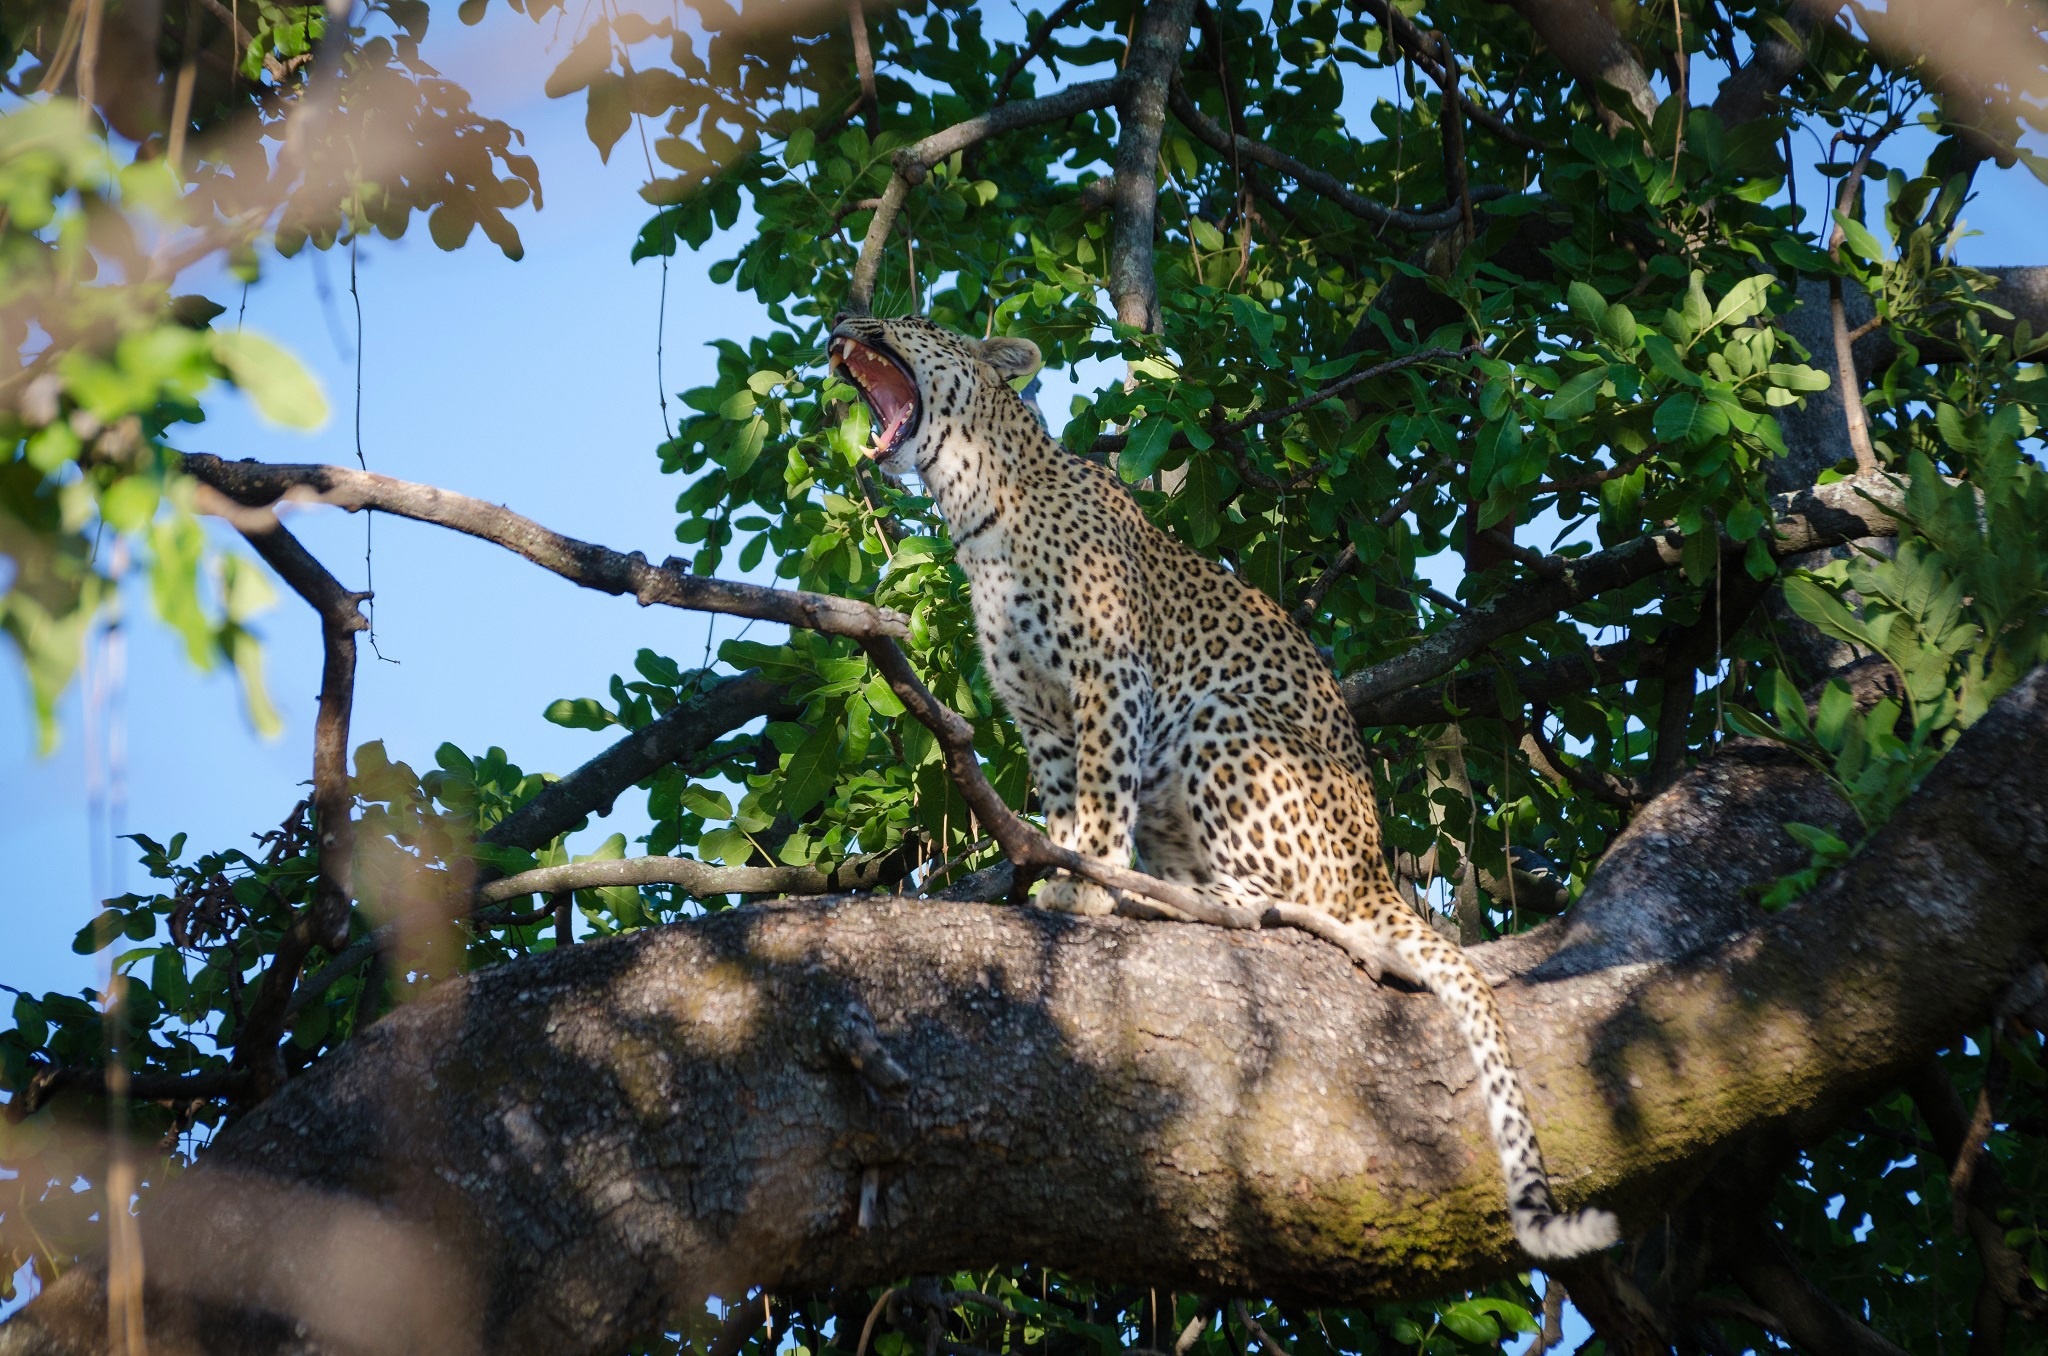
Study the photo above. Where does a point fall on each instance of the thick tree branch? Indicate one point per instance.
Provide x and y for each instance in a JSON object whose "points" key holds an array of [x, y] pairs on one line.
{"points": [[1826, 516], [1749, 93], [1154, 59], [261, 485], [1586, 42], [570, 1150]]}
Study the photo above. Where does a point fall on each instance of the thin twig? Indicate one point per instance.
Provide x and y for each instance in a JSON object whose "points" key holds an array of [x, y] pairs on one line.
{"points": [[1326, 185], [1115, 442], [1033, 45], [1846, 381], [1251, 1325]]}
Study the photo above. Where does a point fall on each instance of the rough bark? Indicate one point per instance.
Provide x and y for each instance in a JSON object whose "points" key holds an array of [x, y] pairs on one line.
{"points": [[1587, 44], [1162, 35], [562, 1153]]}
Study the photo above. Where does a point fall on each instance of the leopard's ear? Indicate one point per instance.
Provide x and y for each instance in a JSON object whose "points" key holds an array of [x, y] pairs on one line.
{"points": [[1011, 357]]}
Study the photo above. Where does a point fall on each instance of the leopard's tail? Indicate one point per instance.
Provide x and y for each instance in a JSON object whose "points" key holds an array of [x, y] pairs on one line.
{"points": [[1444, 968]]}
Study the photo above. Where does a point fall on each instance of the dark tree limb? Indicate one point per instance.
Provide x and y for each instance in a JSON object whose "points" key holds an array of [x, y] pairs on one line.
{"points": [[261, 485], [340, 613], [1161, 36], [1825, 516], [569, 1151], [1765, 1269], [1478, 693], [1586, 43], [1418, 48], [1748, 93], [205, 1085], [677, 737]]}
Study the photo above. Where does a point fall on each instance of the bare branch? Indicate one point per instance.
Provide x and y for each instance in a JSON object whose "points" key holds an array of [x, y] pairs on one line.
{"points": [[261, 485], [1594, 783], [863, 56], [1849, 384], [340, 613], [1251, 1325]]}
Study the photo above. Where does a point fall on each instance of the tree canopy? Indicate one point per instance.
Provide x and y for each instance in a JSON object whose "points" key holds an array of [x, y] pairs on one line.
{"points": [[1685, 568]]}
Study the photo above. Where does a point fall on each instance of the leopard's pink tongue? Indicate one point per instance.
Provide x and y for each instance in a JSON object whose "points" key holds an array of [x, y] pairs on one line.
{"points": [[889, 396]]}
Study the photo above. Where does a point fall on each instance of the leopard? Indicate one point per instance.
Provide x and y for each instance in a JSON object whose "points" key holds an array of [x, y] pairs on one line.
{"points": [[1173, 715]]}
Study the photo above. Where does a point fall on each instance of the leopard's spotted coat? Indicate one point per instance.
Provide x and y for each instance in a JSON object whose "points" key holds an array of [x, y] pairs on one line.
{"points": [[1171, 711]]}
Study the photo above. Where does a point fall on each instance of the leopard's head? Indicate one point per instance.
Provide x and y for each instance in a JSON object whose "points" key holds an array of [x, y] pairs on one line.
{"points": [[918, 377]]}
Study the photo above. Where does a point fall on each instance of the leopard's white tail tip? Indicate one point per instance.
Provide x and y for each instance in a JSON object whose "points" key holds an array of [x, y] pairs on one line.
{"points": [[1552, 1237]]}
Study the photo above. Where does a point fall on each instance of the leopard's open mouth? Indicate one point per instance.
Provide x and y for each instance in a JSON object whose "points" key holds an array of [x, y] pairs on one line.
{"points": [[886, 384]]}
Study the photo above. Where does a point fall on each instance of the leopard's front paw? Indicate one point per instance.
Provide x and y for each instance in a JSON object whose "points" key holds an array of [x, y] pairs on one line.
{"points": [[1070, 894]]}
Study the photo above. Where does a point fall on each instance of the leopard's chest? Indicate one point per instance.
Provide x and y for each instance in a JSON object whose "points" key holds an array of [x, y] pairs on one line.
{"points": [[1027, 639]]}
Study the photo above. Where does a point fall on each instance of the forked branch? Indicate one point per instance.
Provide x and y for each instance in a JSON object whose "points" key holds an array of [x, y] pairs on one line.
{"points": [[911, 164]]}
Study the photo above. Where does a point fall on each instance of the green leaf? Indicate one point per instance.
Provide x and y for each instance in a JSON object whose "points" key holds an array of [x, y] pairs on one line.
{"points": [[277, 384], [1744, 300], [1687, 418], [1587, 304], [1575, 398], [1857, 237], [583, 713], [1147, 447], [1206, 236], [1797, 377], [1816, 605], [811, 770]]}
